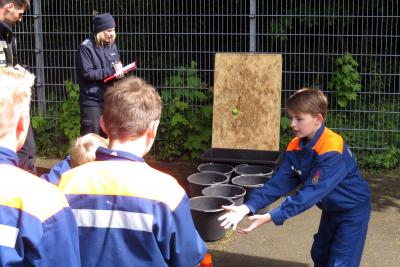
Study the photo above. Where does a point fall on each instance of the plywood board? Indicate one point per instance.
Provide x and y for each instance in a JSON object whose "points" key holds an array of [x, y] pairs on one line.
{"points": [[247, 101]]}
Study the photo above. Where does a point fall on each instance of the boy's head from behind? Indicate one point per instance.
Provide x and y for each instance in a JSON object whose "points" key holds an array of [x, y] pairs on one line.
{"points": [[84, 148], [307, 101], [131, 107], [15, 96]]}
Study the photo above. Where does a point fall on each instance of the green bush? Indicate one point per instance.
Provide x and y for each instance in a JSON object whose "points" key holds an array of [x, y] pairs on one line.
{"points": [[185, 129], [346, 80], [54, 133]]}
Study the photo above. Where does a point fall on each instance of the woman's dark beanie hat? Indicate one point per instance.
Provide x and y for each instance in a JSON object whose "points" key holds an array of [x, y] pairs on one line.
{"points": [[103, 22]]}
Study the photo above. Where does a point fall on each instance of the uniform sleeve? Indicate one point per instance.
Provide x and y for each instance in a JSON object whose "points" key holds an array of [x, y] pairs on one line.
{"points": [[282, 181], [330, 171], [85, 67], [60, 243], [55, 173], [183, 246]]}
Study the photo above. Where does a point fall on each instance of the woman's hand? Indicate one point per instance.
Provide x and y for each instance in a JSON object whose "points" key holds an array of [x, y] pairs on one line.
{"points": [[257, 220], [234, 215], [118, 70]]}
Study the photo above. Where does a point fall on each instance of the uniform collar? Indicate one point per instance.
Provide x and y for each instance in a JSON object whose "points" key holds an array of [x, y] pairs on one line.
{"points": [[309, 145], [8, 156], [111, 154]]}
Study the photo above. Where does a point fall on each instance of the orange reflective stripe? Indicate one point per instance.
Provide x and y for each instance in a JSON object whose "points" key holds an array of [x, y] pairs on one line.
{"points": [[24, 191], [294, 144], [329, 142], [122, 178]]}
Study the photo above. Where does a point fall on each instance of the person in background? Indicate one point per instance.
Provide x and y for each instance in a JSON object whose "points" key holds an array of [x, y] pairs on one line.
{"points": [[128, 213], [83, 150], [96, 58], [37, 227], [319, 159], [11, 12]]}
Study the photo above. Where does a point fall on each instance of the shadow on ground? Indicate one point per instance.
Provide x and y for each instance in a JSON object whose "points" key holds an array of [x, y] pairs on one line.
{"points": [[225, 259], [385, 187]]}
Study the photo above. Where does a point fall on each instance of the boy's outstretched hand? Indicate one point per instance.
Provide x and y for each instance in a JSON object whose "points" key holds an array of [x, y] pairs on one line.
{"points": [[257, 220], [234, 215]]}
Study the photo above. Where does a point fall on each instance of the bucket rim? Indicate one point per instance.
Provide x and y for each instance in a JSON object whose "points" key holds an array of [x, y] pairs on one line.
{"points": [[213, 172], [270, 172], [226, 185], [216, 164], [212, 210], [234, 179]]}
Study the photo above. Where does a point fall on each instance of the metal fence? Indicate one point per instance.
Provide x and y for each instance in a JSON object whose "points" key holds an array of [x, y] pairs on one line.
{"points": [[164, 36]]}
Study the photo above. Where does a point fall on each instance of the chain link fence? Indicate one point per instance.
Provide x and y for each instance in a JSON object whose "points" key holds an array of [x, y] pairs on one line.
{"points": [[166, 36]]}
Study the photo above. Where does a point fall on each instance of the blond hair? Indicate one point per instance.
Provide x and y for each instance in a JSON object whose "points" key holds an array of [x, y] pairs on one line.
{"points": [[308, 101], [99, 39], [15, 97], [130, 106], [84, 148]]}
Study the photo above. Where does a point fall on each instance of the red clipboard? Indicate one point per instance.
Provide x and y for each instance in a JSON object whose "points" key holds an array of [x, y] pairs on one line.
{"points": [[125, 69]]}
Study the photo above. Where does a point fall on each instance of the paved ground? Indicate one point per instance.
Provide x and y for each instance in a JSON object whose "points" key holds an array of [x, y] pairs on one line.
{"points": [[289, 245]]}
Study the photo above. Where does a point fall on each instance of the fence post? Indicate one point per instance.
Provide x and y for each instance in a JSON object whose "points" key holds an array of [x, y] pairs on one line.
{"points": [[253, 39], [39, 56]]}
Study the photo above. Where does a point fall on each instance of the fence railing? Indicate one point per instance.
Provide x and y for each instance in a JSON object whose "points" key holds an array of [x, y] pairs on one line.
{"points": [[164, 36]]}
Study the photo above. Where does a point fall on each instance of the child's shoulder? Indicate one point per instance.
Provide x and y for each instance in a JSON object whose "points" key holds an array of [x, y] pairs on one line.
{"points": [[329, 142]]}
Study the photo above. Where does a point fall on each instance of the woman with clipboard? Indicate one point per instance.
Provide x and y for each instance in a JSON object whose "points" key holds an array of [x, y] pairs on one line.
{"points": [[96, 59]]}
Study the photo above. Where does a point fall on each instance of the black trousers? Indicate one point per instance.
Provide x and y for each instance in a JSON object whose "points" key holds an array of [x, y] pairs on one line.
{"points": [[90, 120], [27, 154]]}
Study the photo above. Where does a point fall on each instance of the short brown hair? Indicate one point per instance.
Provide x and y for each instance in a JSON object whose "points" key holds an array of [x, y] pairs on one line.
{"points": [[130, 105], [18, 3], [308, 101], [84, 148]]}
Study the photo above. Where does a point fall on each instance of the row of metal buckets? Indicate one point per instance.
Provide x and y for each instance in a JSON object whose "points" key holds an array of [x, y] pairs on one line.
{"points": [[216, 185]]}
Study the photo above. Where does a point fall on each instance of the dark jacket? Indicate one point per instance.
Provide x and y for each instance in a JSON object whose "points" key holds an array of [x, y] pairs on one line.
{"points": [[93, 64], [27, 154], [7, 46]]}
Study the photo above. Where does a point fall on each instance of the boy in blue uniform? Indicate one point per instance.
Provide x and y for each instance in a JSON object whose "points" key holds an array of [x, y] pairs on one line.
{"points": [[37, 227], [128, 213], [83, 150], [319, 159]]}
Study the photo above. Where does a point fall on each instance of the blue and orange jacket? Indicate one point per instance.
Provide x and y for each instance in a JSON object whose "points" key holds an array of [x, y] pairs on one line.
{"points": [[130, 214], [37, 227], [55, 173], [329, 174]]}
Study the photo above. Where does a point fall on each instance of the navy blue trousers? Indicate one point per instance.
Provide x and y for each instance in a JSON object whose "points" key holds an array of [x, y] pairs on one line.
{"points": [[27, 154], [341, 237], [90, 120]]}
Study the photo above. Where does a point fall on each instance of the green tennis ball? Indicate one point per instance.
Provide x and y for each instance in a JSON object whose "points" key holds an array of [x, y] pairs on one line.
{"points": [[235, 111]]}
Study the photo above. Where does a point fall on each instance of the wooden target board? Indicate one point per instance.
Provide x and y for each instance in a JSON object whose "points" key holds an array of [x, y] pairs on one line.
{"points": [[247, 101]]}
